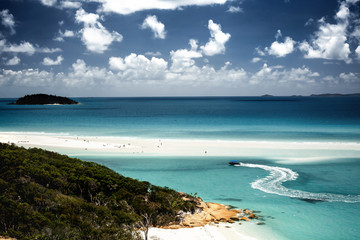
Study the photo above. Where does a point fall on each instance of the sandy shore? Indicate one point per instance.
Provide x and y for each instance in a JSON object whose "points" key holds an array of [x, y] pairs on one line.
{"points": [[218, 232], [81, 145]]}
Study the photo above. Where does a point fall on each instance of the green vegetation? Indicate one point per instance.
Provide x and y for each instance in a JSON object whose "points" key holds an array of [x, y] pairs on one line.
{"points": [[39, 99], [45, 195]]}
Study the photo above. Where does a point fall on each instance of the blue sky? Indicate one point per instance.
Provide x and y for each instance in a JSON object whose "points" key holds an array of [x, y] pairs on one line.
{"points": [[179, 47]]}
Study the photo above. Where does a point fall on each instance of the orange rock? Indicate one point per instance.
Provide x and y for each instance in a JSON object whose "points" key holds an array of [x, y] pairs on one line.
{"points": [[244, 219], [252, 216]]}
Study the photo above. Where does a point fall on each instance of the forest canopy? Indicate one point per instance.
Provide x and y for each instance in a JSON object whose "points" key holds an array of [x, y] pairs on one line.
{"points": [[45, 195]]}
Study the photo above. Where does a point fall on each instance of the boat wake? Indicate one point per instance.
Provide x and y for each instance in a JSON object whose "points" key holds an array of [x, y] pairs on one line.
{"points": [[278, 175]]}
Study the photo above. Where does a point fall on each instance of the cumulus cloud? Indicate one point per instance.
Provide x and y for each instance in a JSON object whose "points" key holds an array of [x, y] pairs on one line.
{"points": [[7, 19], [349, 77], [157, 27], [154, 54], [256, 59], [26, 77], [70, 4], [357, 51], [49, 3], [279, 75], [25, 47], [233, 9], [49, 62], [125, 7], [134, 70], [13, 61], [281, 49], [65, 34], [94, 35], [216, 43], [277, 48], [139, 68], [86, 77], [330, 40], [183, 59]]}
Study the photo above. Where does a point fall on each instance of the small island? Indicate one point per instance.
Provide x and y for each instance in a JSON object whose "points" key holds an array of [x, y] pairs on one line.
{"points": [[42, 99]]}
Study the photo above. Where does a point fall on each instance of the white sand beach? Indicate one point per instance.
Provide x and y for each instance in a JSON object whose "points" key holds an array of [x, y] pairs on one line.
{"points": [[218, 232], [89, 145]]}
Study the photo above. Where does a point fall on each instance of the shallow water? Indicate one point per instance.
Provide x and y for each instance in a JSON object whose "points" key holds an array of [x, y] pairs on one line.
{"points": [[289, 217]]}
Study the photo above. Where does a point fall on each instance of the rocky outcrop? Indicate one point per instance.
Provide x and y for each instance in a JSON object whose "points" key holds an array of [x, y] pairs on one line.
{"points": [[213, 213]]}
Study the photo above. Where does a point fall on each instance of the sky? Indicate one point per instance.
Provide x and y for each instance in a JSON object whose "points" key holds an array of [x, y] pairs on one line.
{"points": [[128, 48]]}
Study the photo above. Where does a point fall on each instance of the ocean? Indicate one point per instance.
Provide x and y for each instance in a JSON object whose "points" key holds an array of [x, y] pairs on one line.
{"points": [[299, 194]]}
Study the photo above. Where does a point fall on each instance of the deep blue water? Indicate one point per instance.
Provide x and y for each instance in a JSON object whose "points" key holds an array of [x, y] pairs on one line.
{"points": [[214, 118], [294, 215]]}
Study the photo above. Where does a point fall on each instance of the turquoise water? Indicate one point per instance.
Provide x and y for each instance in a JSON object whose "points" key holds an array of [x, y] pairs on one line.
{"points": [[313, 200]]}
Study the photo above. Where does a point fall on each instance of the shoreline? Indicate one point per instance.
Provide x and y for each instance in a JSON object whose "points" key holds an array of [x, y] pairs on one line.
{"points": [[215, 221], [281, 151]]}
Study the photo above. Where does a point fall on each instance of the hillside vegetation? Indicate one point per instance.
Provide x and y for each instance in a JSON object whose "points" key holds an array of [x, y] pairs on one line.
{"points": [[45, 195]]}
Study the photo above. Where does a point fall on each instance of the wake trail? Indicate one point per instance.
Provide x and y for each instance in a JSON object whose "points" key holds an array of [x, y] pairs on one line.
{"points": [[278, 175]]}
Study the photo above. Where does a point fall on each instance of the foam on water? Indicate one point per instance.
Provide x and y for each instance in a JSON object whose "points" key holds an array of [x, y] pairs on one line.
{"points": [[278, 175]]}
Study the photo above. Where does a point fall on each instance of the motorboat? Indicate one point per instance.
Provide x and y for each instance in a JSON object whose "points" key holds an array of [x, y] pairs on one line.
{"points": [[234, 163]]}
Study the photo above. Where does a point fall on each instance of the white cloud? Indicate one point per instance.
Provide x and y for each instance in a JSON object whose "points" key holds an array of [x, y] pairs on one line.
{"points": [[70, 4], [25, 47], [357, 51], [62, 35], [278, 49], [94, 35], [356, 33], [130, 6], [87, 77], [49, 62], [49, 3], [278, 34], [256, 59], [274, 75], [216, 43], [139, 68], [352, 1], [48, 50], [154, 54], [349, 77], [330, 41], [87, 18], [309, 22], [233, 9], [7, 19], [182, 59], [27, 77], [156, 27], [13, 61], [281, 49]]}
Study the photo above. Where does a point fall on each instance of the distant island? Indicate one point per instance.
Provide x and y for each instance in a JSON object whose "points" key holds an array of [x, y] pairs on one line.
{"points": [[335, 95], [42, 99]]}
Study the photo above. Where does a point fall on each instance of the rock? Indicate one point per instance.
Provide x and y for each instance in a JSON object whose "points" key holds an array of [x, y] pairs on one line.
{"points": [[260, 223], [248, 212], [253, 216], [244, 219]]}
